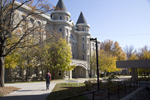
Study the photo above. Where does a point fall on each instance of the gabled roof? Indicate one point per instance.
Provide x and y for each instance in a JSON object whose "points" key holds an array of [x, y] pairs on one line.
{"points": [[61, 6], [81, 19]]}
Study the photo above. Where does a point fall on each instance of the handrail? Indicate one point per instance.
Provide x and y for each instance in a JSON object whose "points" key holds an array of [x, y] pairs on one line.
{"points": [[109, 94]]}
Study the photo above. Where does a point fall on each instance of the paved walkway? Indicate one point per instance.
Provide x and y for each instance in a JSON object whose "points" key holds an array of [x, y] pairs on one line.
{"points": [[32, 91]]}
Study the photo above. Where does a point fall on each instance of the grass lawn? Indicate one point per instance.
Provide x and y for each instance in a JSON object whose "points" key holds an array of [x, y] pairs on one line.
{"points": [[1, 95], [63, 90]]}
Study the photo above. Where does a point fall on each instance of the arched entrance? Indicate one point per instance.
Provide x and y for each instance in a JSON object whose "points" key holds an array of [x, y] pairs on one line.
{"points": [[79, 72]]}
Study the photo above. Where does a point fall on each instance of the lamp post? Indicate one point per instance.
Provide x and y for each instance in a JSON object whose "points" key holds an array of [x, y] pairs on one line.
{"points": [[95, 39]]}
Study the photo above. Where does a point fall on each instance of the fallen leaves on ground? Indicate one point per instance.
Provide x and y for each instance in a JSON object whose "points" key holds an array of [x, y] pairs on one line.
{"points": [[8, 89]]}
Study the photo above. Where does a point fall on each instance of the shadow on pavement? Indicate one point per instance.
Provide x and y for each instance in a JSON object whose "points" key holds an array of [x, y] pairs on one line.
{"points": [[27, 97]]}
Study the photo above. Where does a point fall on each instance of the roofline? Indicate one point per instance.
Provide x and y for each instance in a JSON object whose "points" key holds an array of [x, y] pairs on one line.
{"points": [[28, 8]]}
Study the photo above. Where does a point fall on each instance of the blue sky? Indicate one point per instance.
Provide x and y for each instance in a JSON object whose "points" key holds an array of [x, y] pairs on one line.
{"points": [[124, 21]]}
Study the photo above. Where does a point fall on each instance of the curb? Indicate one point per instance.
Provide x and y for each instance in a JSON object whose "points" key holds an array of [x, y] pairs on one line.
{"points": [[133, 94]]}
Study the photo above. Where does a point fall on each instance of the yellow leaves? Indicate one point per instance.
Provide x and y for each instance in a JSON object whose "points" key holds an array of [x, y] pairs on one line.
{"points": [[107, 62], [133, 57], [146, 55], [114, 49]]}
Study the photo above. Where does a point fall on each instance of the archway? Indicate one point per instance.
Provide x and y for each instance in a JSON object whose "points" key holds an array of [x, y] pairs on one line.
{"points": [[79, 72]]}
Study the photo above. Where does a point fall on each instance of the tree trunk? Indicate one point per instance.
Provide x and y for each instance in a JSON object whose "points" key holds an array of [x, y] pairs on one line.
{"points": [[42, 69], [2, 71], [27, 74]]}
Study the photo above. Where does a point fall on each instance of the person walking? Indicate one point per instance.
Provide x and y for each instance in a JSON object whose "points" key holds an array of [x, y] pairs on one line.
{"points": [[48, 79]]}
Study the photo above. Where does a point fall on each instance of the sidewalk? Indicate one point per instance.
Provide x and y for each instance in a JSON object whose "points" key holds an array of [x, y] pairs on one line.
{"points": [[29, 91], [32, 91]]}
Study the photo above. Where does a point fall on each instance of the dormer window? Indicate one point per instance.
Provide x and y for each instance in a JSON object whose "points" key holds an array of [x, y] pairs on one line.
{"points": [[60, 17]]}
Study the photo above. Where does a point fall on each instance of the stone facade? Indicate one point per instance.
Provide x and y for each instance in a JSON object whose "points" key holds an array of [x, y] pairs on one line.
{"points": [[77, 35]]}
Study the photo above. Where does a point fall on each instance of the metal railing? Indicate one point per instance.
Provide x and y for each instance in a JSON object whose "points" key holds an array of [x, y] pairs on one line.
{"points": [[126, 85]]}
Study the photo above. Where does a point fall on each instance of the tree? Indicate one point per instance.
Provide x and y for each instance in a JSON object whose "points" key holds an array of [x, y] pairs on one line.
{"points": [[107, 62], [10, 22], [114, 49], [57, 55], [145, 55], [129, 51]]}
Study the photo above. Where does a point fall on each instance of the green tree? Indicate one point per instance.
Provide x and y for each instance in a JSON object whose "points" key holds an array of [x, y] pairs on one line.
{"points": [[58, 55]]}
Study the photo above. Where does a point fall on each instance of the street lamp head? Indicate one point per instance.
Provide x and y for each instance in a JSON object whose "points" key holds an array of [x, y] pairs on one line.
{"points": [[92, 39]]}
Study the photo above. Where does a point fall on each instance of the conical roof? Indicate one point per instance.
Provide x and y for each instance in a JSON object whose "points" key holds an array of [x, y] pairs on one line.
{"points": [[81, 19], [60, 6]]}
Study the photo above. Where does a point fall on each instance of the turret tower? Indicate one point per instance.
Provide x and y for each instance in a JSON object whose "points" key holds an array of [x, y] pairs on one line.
{"points": [[83, 38], [60, 18]]}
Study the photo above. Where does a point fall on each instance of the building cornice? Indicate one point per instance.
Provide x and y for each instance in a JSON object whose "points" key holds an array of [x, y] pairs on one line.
{"points": [[59, 11], [83, 32], [61, 21], [83, 24]]}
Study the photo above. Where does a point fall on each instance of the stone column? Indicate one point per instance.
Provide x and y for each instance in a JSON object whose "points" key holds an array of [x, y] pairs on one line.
{"points": [[70, 74], [134, 74]]}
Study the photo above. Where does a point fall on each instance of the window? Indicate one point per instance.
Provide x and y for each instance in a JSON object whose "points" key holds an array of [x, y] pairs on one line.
{"points": [[82, 46], [93, 44], [82, 29], [67, 30], [39, 23], [82, 57], [82, 38], [72, 43], [67, 18], [32, 21], [59, 73], [60, 18], [60, 29], [71, 37]]}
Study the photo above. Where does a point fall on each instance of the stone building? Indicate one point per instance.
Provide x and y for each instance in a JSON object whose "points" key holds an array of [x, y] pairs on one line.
{"points": [[77, 35]]}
